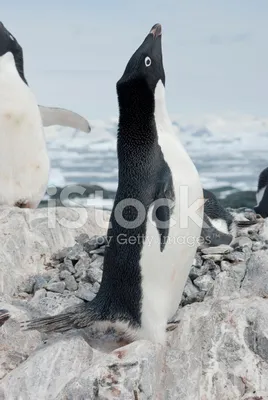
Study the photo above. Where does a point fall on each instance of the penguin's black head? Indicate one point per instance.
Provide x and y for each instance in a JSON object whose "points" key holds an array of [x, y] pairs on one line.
{"points": [[8, 43], [144, 69]]}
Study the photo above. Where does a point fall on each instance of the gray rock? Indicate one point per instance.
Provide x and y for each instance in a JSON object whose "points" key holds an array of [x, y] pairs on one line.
{"points": [[27, 286], [213, 257], [94, 274], [57, 287], [99, 251], [82, 239], [65, 274], [67, 265], [197, 261], [71, 283], [75, 252], [225, 265], [196, 272], [223, 249], [71, 355], [94, 243], [40, 283], [204, 282], [85, 291], [97, 263], [256, 278], [241, 242]]}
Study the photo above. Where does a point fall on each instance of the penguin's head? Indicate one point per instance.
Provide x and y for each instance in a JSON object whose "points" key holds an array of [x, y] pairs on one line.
{"points": [[9, 44], [144, 69]]}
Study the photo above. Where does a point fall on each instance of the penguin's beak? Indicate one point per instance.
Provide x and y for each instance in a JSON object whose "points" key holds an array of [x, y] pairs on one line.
{"points": [[156, 30]]}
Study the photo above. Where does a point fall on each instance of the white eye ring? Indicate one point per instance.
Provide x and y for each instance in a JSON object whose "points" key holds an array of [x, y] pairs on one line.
{"points": [[147, 61], [11, 37]]}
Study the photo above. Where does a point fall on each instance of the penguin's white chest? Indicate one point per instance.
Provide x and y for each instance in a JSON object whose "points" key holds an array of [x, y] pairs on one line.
{"points": [[24, 162], [164, 274]]}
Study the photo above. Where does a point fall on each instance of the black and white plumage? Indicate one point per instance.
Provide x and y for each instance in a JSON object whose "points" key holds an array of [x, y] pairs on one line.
{"points": [[220, 226], [262, 194], [148, 259]]}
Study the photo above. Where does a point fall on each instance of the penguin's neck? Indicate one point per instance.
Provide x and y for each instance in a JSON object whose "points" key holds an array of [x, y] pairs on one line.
{"points": [[162, 120]]}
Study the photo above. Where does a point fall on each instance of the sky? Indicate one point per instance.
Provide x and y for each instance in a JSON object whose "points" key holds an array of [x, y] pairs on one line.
{"points": [[215, 52]]}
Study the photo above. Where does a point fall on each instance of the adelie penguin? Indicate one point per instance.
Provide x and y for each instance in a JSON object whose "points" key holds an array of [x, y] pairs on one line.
{"points": [[262, 195], [220, 226], [150, 252], [24, 161], [50, 115]]}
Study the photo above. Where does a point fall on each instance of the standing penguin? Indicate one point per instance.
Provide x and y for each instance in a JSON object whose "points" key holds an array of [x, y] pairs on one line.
{"points": [[50, 115], [149, 256], [24, 161], [262, 194]]}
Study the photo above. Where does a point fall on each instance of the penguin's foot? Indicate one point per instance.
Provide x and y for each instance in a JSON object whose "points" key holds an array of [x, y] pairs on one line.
{"points": [[171, 326]]}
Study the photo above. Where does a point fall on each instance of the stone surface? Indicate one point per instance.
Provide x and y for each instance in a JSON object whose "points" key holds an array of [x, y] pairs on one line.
{"points": [[217, 352]]}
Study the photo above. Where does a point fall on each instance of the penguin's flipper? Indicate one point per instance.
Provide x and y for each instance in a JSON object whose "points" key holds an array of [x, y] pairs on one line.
{"points": [[164, 205], [4, 316], [63, 117]]}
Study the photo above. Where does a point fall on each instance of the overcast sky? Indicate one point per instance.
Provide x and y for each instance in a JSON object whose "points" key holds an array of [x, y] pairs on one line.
{"points": [[215, 51]]}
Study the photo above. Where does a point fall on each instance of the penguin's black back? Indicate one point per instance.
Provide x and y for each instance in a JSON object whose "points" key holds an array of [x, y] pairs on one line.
{"points": [[263, 179], [213, 208]]}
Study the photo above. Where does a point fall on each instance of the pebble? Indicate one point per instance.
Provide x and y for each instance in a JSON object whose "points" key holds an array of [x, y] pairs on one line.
{"points": [[222, 249], [225, 265], [40, 283], [82, 238], [241, 242], [65, 274], [94, 243], [67, 266], [27, 286], [204, 282], [99, 251], [197, 261], [196, 272], [94, 274], [71, 283], [97, 263], [75, 252], [85, 292], [57, 287], [214, 257]]}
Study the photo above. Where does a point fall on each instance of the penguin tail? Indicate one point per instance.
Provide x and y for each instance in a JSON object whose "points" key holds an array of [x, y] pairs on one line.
{"points": [[4, 316], [78, 317], [243, 224]]}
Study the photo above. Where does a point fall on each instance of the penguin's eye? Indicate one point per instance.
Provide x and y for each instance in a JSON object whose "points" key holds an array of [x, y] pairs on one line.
{"points": [[147, 61], [11, 37]]}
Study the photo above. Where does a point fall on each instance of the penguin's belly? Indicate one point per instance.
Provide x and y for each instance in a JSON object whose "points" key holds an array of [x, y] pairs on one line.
{"points": [[164, 274], [24, 162]]}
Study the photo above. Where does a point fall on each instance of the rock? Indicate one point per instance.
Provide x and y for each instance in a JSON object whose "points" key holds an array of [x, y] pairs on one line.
{"points": [[40, 283], [67, 265], [65, 274], [213, 257], [85, 291], [225, 265], [71, 283], [256, 278], [71, 355], [196, 272], [95, 243], [99, 251], [94, 274], [223, 249], [241, 242], [204, 282], [57, 287], [27, 286], [97, 263], [16, 345], [74, 252], [197, 261]]}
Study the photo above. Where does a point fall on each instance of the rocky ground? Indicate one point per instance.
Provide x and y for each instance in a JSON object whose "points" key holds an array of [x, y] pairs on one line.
{"points": [[217, 352]]}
